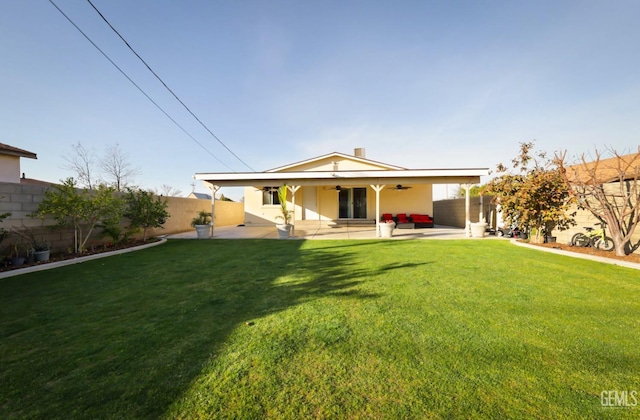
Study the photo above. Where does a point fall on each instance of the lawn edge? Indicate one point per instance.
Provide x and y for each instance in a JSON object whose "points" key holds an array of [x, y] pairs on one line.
{"points": [[52, 265], [604, 260]]}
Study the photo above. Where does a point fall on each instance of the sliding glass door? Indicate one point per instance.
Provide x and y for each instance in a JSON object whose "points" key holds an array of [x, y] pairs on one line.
{"points": [[352, 203]]}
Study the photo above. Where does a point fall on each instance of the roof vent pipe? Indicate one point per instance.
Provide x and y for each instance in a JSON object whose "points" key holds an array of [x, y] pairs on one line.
{"points": [[359, 152]]}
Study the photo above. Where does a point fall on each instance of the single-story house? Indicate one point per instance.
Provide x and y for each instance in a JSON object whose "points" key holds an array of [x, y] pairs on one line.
{"points": [[339, 188], [10, 162]]}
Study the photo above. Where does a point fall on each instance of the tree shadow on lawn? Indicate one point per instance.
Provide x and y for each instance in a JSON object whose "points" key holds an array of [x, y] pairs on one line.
{"points": [[125, 336]]}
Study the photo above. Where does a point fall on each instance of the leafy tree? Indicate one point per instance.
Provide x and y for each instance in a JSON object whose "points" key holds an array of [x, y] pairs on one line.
{"points": [[474, 191], [145, 210], [80, 209], [610, 190], [535, 197]]}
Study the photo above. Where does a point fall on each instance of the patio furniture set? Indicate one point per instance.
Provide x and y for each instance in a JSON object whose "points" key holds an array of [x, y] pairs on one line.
{"points": [[413, 221]]}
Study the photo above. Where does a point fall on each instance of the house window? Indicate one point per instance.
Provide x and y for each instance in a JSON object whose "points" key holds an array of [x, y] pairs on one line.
{"points": [[270, 197]]}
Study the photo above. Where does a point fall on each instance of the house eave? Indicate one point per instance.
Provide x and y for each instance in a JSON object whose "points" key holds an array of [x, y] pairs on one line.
{"points": [[345, 178], [8, 150]]}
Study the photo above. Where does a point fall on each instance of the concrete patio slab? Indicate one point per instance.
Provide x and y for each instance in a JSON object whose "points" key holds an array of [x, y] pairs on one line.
{"points": [[342, 232]]}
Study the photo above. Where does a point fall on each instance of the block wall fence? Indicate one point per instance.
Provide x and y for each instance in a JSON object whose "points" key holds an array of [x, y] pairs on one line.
{"points": [[452, 212], [22, 199]]}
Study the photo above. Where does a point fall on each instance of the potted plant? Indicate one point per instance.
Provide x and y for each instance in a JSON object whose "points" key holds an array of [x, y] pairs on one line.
{"points": [[386, 228], [202, 223], [16, 256], [478, 229], [284, 229], [41, 251]]}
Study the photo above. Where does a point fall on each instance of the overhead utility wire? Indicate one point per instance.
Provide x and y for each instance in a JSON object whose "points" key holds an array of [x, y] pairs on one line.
{"points": [[138, 87], [165, 85]]}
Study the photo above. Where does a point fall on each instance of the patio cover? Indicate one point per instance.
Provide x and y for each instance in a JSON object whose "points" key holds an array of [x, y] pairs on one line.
{"points": [[377, 179]]}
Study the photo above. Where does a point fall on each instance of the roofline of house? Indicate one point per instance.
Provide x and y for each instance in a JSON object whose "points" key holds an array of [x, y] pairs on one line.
{"points": [[337, 154], [5, 149], [345, 178]]}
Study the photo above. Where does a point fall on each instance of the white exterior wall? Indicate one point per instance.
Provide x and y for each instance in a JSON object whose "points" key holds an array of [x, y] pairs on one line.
{"points": [[257, 214], [9, 169]]}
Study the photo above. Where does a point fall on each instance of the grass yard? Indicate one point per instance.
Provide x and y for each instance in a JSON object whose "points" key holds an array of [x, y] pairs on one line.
{"points": [[321, 329]]}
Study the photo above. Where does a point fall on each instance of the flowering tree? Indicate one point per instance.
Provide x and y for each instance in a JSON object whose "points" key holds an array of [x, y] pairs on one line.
{"points": [[610, 190], [534, 196]]}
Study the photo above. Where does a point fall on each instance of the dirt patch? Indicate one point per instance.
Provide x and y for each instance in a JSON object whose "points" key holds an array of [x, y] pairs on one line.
{"points": [[633, 258], [6, 265]]}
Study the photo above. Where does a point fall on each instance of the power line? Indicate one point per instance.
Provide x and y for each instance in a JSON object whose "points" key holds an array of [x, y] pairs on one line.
{"points": [[136, 85], [165, 85]]}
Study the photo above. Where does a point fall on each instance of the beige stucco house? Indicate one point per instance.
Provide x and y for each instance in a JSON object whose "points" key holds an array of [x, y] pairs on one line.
{"points": [[10, 162], [339, 188]]}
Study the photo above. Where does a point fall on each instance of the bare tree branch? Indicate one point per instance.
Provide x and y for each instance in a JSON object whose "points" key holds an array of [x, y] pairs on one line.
{"points": [[116, 167], [167, 191], [608, 188], [82, 161]]}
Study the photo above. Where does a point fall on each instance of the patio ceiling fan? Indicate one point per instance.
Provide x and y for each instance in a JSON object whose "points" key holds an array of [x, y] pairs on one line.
{"points": [[337, 188], [401, 187]]}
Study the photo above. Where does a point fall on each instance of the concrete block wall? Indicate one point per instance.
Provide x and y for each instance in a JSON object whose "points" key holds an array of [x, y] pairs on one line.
{"points": [[584, 219], [22, 199], [452, 212]]}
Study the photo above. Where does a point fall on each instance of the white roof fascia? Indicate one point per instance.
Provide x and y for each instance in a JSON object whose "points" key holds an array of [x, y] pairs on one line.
{"points": [[425, 175]]}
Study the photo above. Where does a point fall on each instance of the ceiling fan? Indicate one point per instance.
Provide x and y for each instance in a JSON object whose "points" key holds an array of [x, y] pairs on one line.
{"points": [[401, 187], [337, 188]]}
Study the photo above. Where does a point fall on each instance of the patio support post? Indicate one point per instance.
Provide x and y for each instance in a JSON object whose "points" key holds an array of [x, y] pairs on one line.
{"points": [[467, 210], [293, 190], [214, 189], [377, 189]]}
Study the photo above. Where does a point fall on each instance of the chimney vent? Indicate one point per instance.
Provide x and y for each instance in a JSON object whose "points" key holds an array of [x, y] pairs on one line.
{"points": [[359, 152]]}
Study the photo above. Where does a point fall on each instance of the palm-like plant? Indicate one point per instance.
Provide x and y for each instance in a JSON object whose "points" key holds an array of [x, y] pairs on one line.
{"points": [[282, 197]]}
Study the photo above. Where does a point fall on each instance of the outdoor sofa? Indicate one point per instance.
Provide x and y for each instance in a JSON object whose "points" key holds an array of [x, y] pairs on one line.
{"points": [[412, 221]]}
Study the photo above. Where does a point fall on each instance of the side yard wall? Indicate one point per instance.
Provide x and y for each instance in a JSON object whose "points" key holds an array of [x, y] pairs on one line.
{"points": [[22, 199], [584, 219], [452, 212]]}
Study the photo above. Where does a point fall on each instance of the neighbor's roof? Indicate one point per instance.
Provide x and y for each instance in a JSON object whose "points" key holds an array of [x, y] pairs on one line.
{"points": [[200, 196], [5, 149], [617, 168]]}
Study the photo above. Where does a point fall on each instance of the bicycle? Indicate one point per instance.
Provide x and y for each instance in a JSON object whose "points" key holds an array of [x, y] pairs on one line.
{"points": [[594, 238]]}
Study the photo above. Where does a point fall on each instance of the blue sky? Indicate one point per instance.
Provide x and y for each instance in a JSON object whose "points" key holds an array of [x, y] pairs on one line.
{"points": [[424, 84]]}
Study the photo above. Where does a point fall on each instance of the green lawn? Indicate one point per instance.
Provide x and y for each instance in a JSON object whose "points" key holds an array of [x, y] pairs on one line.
{"points": [[324, 329]]}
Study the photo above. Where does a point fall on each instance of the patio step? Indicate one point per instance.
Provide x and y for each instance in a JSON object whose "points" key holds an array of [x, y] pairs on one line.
{"points": [[321, 224]]}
